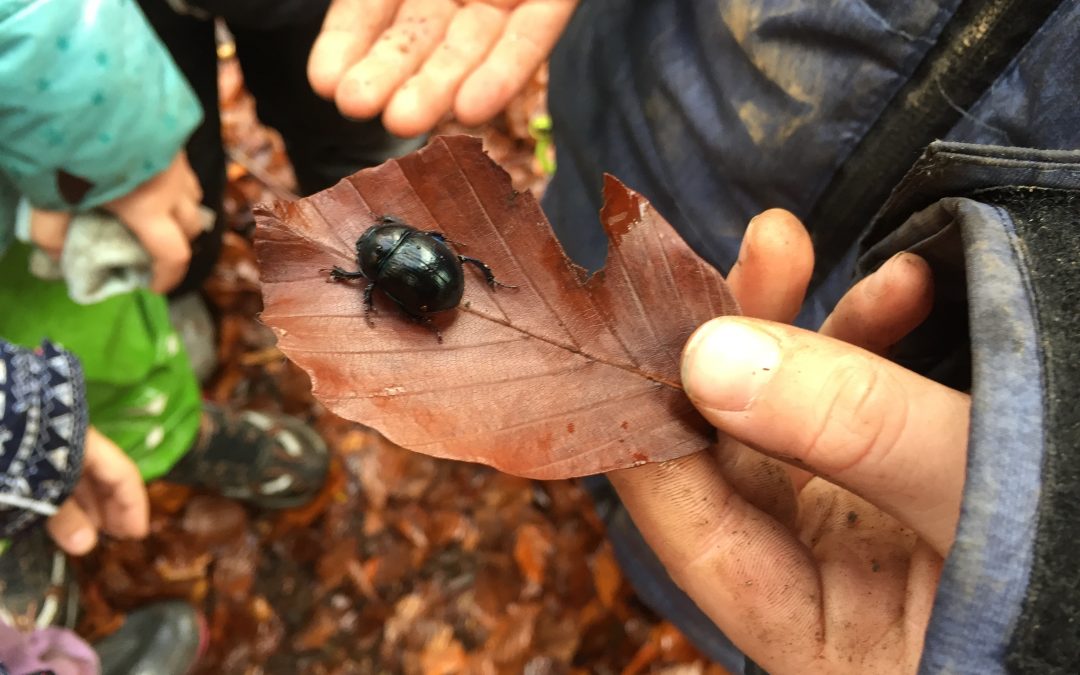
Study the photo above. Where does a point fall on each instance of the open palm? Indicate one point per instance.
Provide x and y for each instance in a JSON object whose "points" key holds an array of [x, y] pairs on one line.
{"points": [[416, 60]]}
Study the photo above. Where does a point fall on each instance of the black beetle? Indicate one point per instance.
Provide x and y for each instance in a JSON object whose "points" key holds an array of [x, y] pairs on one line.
{"points": [[415, 269]]}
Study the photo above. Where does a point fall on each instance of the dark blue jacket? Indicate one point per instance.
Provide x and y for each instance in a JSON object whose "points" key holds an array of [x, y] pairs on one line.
{"points": [[943, 127]]}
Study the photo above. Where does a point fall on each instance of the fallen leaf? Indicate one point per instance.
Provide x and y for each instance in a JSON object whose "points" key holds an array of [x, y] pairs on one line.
{"points": [[406, 613], [607, 576], [467, 575], [443, 654], [322, 626], [233, 573], [213, 520], [666, 643], [563, 376], [512, 638], [168, 498], [532, 547]]}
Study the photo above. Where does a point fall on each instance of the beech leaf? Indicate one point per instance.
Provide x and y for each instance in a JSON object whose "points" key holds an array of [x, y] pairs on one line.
{"points": [[566, 375]]}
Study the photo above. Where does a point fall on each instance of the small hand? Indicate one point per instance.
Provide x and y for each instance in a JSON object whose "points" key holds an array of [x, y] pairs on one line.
{"points": [[163, 213], [109, 497], [416, 60], [829, 560]]}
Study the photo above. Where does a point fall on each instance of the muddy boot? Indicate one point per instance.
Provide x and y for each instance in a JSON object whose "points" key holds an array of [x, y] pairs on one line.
{"points": [[270, 461], [36, 587], [39, 606], [165, 638]]}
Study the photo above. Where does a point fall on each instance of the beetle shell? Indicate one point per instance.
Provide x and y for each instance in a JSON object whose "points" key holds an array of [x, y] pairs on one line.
{"points": [[378, 243], [415, 269]]}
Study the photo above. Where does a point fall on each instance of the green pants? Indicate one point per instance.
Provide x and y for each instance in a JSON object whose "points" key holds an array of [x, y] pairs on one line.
{"points": [[140, 387]]}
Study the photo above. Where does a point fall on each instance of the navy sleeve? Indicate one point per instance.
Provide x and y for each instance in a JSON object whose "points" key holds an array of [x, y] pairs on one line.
{"points": [[43, 422]]}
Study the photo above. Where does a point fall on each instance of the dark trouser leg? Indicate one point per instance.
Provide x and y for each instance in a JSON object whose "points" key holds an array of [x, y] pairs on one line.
{"points": [[324, 146], [191, 43]]}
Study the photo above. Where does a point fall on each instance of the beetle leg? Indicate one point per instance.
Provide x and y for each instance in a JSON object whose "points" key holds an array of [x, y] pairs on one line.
{"points": [[423, 320], [426, 320], [488, 274], [369, 305], [338, 274]]}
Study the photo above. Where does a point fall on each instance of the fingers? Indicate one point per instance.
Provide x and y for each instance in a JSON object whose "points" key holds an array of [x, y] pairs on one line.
{"points": [[396, 54], [189, 217], [885, 306], [415, 60], [427, 96], [742, 568], [72, 530], [116, 487], [163, 213], [767, 484], [164, 239], [187, 211], [530, 34], [349, 29], [48, 230], [775, 262], [889, 435], [769, 280]]}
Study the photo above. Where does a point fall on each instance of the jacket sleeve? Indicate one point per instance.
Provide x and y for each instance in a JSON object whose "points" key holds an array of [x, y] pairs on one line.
{"points": [[91, 103], [43, 422]]}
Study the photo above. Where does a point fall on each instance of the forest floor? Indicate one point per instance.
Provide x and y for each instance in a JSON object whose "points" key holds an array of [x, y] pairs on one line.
{"points": [[404, 563]]}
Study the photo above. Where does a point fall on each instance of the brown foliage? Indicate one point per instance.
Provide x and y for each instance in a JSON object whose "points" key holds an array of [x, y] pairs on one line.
{"points": [[403, 563], [563, 376]]}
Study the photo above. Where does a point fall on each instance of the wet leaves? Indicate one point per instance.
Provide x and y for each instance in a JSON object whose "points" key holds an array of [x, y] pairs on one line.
{"points": [[563, 376], [402, 564]]}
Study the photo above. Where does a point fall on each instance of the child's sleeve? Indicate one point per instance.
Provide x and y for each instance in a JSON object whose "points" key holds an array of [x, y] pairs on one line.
{"points": [[43, 422], [91, 103]]}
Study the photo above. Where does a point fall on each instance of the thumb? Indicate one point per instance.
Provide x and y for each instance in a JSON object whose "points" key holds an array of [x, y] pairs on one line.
{"points": [[48, 230], [891, 436], [72, 529]]}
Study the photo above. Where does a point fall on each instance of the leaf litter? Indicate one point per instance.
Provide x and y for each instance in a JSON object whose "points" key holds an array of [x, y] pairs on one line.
{"points": [[403, 563]]}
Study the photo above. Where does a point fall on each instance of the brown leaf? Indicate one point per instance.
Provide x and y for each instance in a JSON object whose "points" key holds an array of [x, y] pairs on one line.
{"points": [[607, 576], [561, 377], [666, 643], [213, 520], [443, 654], [233, 574], [322, 626], [532, 547], [512, 638], [96, 618], [333, 566], [168, 498]]}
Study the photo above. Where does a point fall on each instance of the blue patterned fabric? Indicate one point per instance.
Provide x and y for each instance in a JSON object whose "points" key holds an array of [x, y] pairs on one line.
{"points": [[43, 423]]}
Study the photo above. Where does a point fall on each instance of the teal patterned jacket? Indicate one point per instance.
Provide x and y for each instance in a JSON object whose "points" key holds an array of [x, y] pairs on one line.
{"points": [[91, 104]]}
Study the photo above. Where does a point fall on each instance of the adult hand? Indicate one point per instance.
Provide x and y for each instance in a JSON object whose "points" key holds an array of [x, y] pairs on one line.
{"points": [[416, 60], [829, 561], [109, 497], [163, 213]]}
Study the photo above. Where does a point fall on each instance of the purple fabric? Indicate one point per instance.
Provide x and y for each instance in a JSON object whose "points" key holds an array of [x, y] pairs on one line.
{"points": [[47, 649]]}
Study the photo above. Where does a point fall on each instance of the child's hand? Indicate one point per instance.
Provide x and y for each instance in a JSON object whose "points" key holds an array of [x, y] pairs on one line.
{"points": [[109, 497], [163, 213]]}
